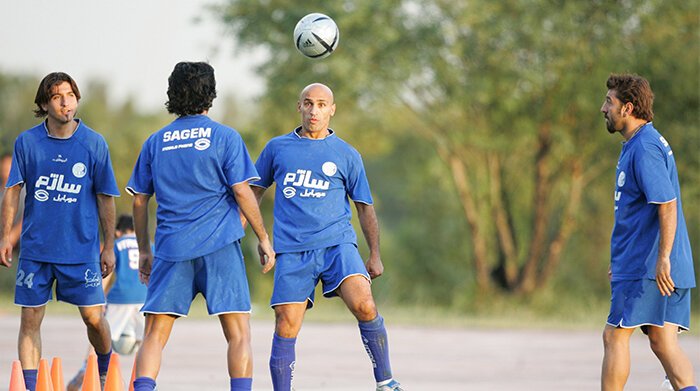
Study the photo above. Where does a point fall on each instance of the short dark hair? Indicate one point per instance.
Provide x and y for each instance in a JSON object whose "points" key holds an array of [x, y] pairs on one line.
{"points": [[191, 88], [125, 223], [43, 93], [630, 88]]}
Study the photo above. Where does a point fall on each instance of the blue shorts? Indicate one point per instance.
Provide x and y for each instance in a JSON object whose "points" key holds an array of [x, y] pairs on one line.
{"points": [[220, 277], [297, 274], [78, 284], [639, 303]]}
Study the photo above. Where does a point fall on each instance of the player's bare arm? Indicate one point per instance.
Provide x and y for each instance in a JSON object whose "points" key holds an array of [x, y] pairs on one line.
{"points": [[370, 230], [7, 216], [108, 214], [248, 203], [668, 215], [140, 212]]}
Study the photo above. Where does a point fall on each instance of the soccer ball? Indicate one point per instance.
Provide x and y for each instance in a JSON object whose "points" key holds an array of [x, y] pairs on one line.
{"points": [[316, 35], [125, 345]]}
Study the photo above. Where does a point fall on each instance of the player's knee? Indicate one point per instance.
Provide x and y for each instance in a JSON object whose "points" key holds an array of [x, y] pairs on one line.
{"points": [[364, 310], [657, 343], [609, 338], [286, 326], [92, 319]]}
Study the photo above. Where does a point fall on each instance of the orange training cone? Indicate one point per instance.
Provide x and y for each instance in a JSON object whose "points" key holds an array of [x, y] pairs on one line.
{"points": [[133, 376], [114, 380], [43, 378], [57, 375], [91, 381], [17, 378]]}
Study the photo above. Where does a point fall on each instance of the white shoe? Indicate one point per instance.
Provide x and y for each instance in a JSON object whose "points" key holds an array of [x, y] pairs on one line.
{"points": [[393, 385]]}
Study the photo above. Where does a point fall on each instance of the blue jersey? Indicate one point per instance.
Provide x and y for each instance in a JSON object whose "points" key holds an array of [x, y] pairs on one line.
{"points": [[62, 178], [647, 176], [314, 179], [127, 288], [190, 166]]}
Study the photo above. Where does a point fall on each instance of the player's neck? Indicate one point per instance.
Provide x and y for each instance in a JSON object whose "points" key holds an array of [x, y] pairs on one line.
{"points": [[314, 135], [632, 128], [61, 129]]}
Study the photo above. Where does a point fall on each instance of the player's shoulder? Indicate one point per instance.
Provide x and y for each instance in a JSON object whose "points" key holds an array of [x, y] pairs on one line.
{"points": [[651, 140], [282, 140], [340, 143], [34, 133]]}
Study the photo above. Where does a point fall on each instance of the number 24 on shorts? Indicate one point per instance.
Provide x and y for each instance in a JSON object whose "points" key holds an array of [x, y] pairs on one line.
{"points": [[28, 281]]}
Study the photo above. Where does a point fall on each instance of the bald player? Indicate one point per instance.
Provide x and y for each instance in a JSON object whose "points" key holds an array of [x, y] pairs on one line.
{"points": [[316, 174]]}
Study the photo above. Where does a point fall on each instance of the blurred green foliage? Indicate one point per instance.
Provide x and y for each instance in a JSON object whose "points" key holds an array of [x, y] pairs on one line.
{"points": [[509, 91]]}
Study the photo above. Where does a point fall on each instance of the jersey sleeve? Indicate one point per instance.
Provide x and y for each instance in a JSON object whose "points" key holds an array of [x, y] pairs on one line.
{"points": [[141, 181], [105, 182], [264, 167], [17, 171], [238, 167], [653, 174], [357, 185]]}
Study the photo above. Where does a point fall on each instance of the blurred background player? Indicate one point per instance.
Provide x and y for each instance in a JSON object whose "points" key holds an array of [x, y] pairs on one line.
{"points": [[651, 264], [316, 172], [198, 170], [125, 296], [70, 188]]}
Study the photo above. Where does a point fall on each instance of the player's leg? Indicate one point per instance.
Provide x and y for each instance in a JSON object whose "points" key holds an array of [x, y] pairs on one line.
{"points": [[33, 285], [221, 278], [169, 296], [98, 335], [236, 327], [664, 344], [292, 295], [29, 343], [616, 357], [288, 321], [148, 359], [347, 276]]}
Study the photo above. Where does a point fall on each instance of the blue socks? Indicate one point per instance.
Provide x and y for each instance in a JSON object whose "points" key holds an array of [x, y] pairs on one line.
{"points": [[376, 344], [103, 361], [691, 388], [241, 384], [30, 378], [144, 384], [282, 360]]}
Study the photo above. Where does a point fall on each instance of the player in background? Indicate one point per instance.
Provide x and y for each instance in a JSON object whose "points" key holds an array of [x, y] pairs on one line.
{"points": [[70, 188], [198, 170], [315, 172], [651, 265], [125, 296]]}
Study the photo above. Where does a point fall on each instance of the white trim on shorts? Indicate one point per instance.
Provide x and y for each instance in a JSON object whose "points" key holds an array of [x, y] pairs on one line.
{"points": [[232, 312], [163, 313], [293, 302], [33, 306], [681, 328], [345, 278]]}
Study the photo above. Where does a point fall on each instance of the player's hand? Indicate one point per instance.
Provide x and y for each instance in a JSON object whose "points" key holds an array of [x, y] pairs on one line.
{"points": [[374, 265], [267, 255], [5, 253], [145, 265], [663, 276], [107, 262]]}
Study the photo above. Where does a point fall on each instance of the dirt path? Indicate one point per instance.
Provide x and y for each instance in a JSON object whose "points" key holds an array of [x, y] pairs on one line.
{"points": [[331, 357]]}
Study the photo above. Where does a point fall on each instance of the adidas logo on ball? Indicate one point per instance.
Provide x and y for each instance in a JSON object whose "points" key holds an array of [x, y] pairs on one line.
{"points": [[316, 35]]}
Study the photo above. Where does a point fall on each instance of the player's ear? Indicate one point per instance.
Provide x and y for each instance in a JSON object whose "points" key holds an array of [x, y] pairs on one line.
{"points": [[299, 106], [333, 109]]}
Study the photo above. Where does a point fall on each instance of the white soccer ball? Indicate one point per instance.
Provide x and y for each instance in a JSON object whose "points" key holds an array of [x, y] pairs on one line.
{"points": [[126, 344], [316, 35]]}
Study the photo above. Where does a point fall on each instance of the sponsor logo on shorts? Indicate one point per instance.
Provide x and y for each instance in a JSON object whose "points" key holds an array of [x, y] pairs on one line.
{"points": [[92, 280]]}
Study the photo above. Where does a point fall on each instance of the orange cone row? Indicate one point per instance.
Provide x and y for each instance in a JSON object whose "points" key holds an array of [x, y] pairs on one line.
{"points": [[52, 380]]}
